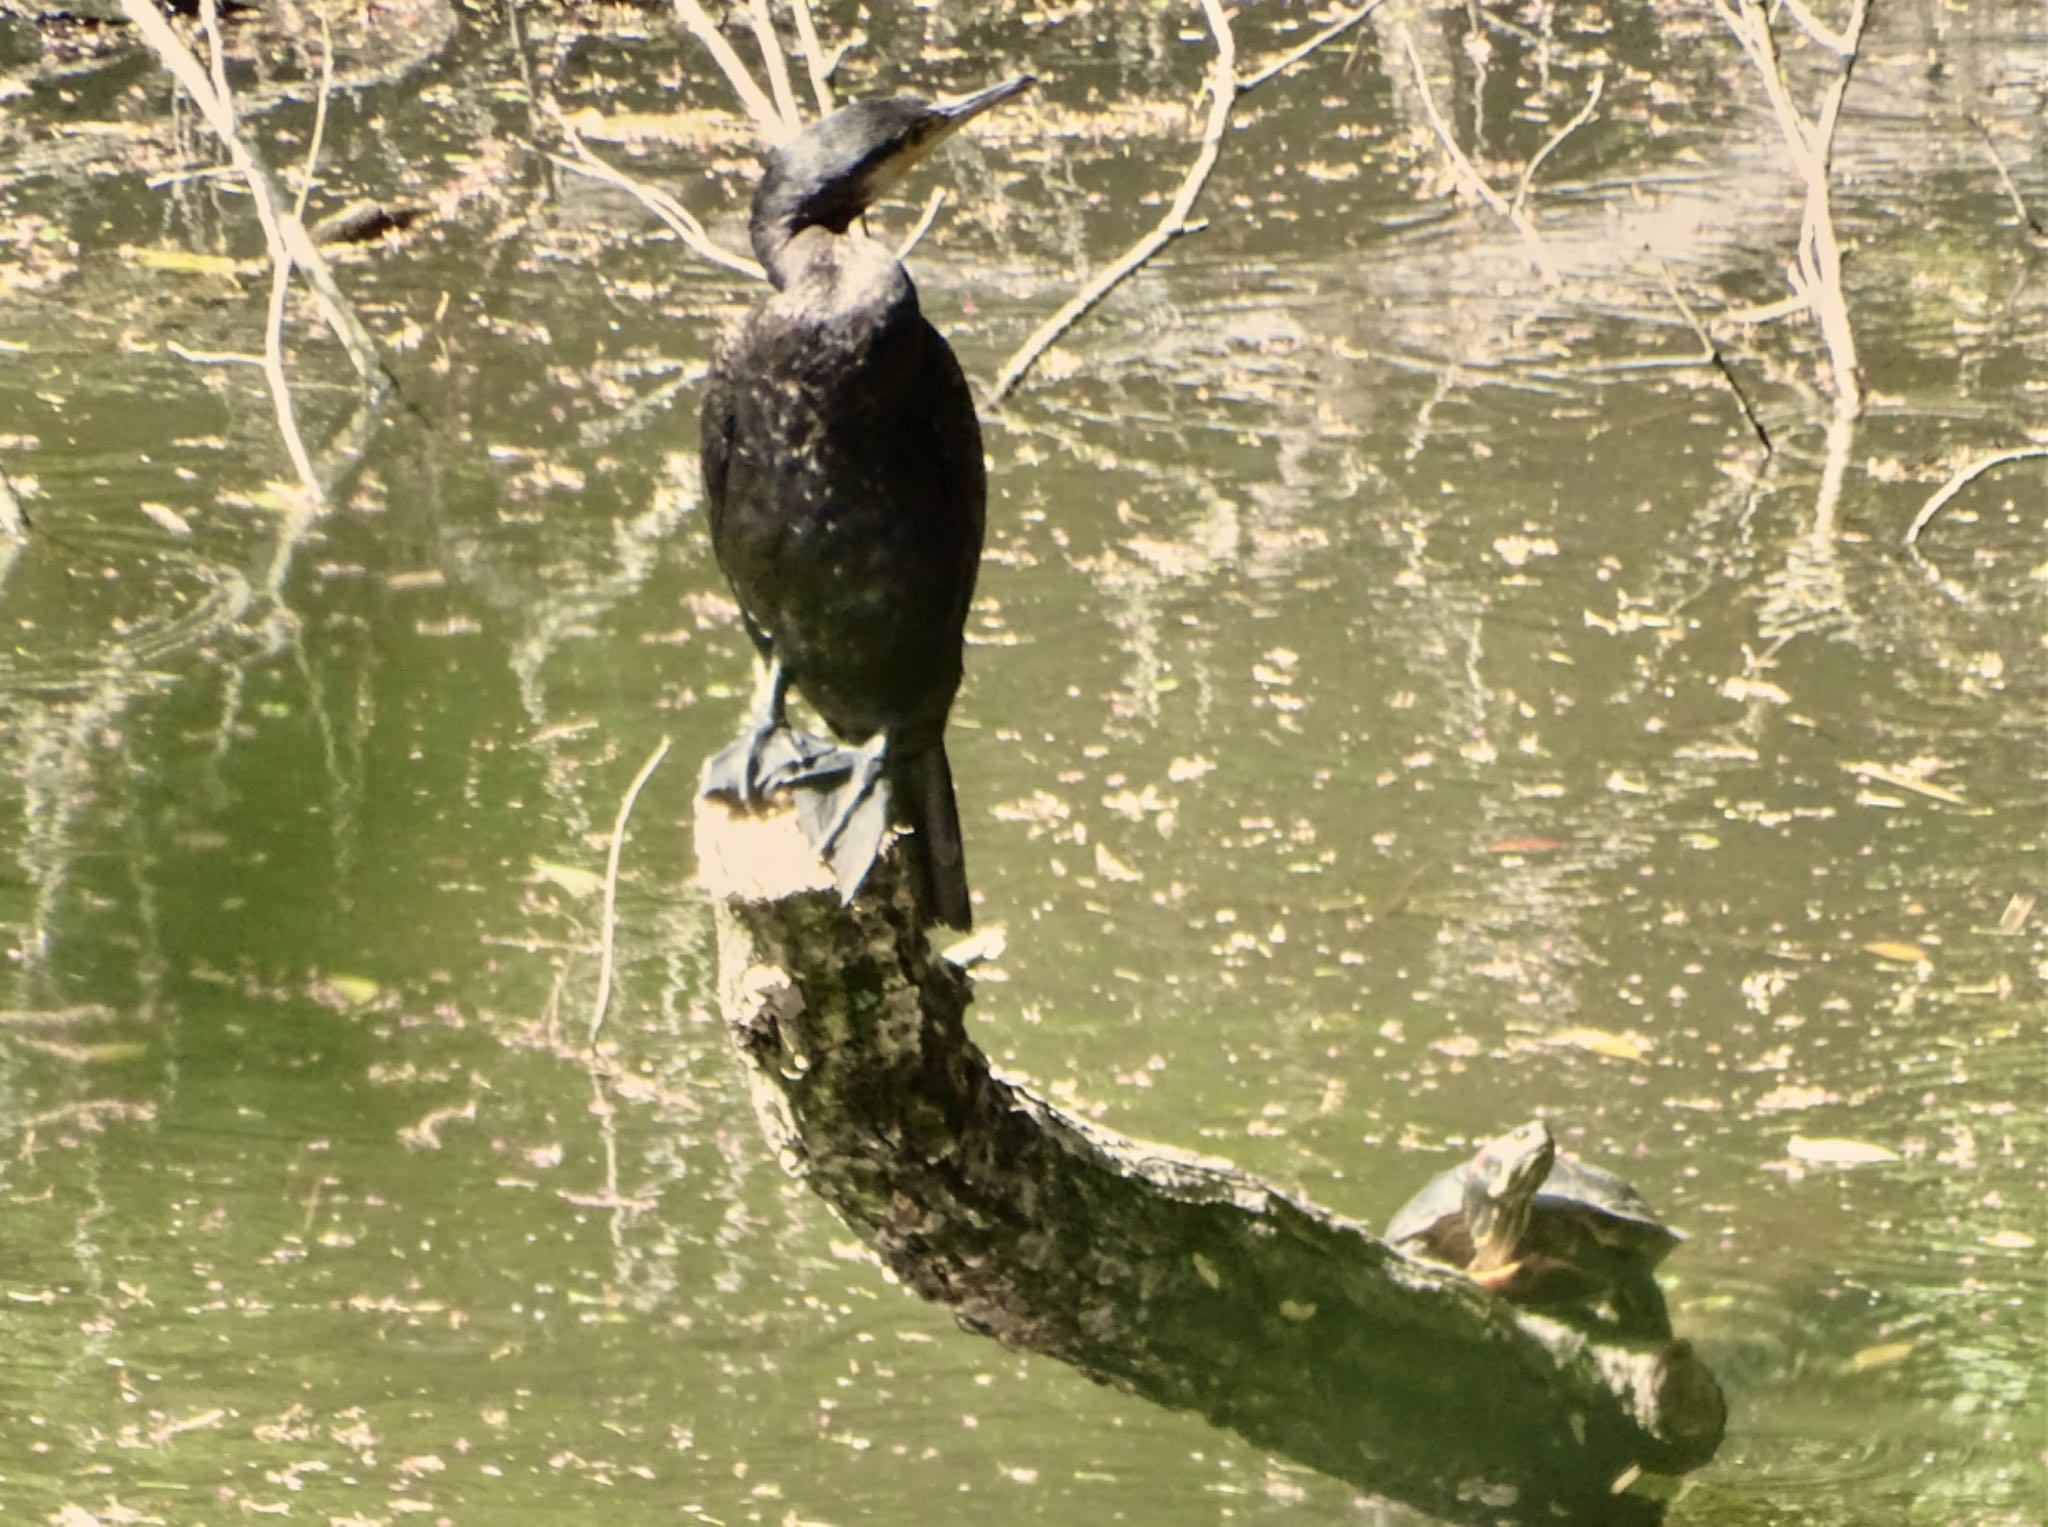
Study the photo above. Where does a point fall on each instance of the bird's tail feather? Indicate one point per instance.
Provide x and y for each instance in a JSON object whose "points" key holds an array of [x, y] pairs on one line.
{"points": [[938, 859]]}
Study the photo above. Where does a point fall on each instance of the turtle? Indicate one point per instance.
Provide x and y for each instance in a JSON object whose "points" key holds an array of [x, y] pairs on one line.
{"points": [[1544, 1230]]}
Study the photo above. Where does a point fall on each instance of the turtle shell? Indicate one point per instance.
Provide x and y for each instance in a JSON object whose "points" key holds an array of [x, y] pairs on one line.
{"points": [[1589, 1233]]}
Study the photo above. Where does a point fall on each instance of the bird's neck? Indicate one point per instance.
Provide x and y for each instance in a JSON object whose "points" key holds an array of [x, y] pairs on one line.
{"points": [[779, 215], [843, 281]]}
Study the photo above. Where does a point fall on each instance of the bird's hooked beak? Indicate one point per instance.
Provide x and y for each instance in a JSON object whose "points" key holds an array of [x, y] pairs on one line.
{"points": [[958, 113], [947, 117]]}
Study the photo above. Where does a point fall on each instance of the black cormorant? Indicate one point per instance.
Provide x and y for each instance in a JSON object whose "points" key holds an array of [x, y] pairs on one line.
{"points": [[846, 491]]}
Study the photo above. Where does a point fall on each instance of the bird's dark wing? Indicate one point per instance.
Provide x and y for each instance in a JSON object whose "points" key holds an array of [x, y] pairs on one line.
{"points": [[714, 443], [955, 442]]}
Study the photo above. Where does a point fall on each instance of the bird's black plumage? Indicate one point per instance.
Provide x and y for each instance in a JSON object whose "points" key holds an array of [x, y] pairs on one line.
{"points": [[846, 490]]}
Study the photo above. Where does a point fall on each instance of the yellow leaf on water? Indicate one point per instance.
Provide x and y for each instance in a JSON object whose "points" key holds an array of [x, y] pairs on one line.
{"points": [[1882, 1356], [354, 990], [1894, 949], [183, 261], [577, 882], [2010, 1240], [167, 518], [1833, 1151], [1906, 779], [106, 1051], [1602, 1042]]}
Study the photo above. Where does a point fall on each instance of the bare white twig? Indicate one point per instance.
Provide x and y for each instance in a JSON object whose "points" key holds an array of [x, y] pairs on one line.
{"points": [[815, 61], [770, 43], [767, 120], [264, 190], [1962, 480], [1224, 89], [274, 377], [1471, 179], [1293, 56], [2027, 219], [1767, 312], [1578, 121], [13, 520], [932, 203], [1468, 177], [1816, 275], [280, 386], [319, 119], [1842, 42], [664, 206], [611, 886]]}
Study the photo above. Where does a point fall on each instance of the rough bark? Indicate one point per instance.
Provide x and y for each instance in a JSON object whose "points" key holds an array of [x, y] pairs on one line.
{"points": [[1176, 1278]]}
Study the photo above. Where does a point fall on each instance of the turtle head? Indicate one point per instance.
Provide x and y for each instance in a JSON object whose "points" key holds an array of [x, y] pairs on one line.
{"points": [[1500, 1189]]}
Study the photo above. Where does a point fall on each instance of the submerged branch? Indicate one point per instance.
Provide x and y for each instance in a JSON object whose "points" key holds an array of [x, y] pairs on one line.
{"points": [[1710, 350]]}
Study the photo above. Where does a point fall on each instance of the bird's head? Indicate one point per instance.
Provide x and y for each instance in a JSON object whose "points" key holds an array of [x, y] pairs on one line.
{"points": [[834, 170]]}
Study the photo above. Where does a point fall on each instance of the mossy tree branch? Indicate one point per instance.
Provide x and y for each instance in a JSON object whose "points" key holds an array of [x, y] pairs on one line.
{"points": [[1175, 1278]]}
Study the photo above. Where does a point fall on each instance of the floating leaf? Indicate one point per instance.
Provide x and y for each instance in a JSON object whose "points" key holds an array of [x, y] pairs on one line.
{"points": [[1111, 868], [1833, 1151], [1742, 690], [1881, 1356], [182, 261], [983, 946], [2016, 913], [1894, 949], [2010, 1240], [1602, 1042], [1907, 779], [577, 882], [1791, 1099], [1524, 846], [167, 518], [354, 990], [86, 1054]]}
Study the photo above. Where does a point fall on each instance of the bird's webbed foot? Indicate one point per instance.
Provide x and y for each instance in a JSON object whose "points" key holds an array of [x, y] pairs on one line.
{"points": [[767, 757], [846, 824], [769, 754]]}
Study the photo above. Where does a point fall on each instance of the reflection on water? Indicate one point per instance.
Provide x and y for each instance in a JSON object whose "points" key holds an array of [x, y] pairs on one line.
{"points": [[1403, 697]]}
